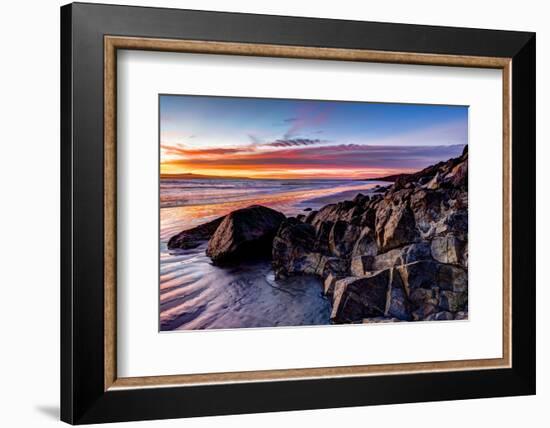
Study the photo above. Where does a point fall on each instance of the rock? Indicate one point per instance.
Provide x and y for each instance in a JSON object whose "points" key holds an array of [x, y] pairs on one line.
{"points": [[360, 265], [307, 209], [424, 311], [301, 217], [461, 315], [328, 265], [422, 274], [404, 255], [243, 233], [322, 233], [422, 296], [342, 238], [440, 212], [368, 217], [378, 320], [310, 217], [365, 245], [459, 175], [397, 302], [435, 182], [401, 255], [440, 316], [192, 238], [447, 249], [453, 301], [387, 260], [292, 249], [356, 298], [453, 278], [330, 281], [395, 225], [360, 199], [327, 214]]}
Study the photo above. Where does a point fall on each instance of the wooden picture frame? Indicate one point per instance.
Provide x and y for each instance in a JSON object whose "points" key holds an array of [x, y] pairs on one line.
{"points": [[91, 390]]}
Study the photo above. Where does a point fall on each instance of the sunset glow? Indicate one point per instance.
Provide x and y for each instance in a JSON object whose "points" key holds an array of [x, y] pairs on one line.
{"points": [[272, 138]]}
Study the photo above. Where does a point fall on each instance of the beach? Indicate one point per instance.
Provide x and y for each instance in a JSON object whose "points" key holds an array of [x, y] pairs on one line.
{"points": [[195, 294]]}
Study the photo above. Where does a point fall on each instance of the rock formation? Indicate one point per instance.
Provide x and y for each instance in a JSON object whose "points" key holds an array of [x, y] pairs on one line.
{"points": [[192, 238], [244, 233], [397, 255]]}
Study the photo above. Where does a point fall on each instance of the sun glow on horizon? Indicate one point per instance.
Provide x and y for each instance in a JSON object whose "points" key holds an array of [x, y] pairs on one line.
{"points": [[297, 139]]}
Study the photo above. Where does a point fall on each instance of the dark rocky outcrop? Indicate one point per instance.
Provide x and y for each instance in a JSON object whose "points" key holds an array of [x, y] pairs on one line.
{"points": [[194, 237], [397, 255], [244, 233]]}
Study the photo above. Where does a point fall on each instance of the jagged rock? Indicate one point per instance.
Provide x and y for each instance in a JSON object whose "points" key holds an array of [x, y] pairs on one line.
{"points": [[422, 274], [244, 233], [422, 296], [397, 302], [330, 281], [322, 237], [379, 320], [361, 199], [453, 301], [399, 254], [424, 311], [342, 238], [328, 265], [435, 182], [365, 245], [311, 215], [453, 278], [194, 237], [404, 255], [447, 249], [459, 175], [291, 246], [360, 265], [440, 316], [461, 315], [358, 298], [301, 217], [307, 209], [395, 224]]}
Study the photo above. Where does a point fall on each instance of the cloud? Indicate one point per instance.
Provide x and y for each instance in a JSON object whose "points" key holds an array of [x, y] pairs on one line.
{"points": [[295, 155], [254, 139], [180, 150], [293, 142], [307, 117]]}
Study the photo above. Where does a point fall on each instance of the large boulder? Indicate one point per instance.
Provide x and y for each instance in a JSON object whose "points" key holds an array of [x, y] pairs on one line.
{"points": [[244, 233], [194, 237]]}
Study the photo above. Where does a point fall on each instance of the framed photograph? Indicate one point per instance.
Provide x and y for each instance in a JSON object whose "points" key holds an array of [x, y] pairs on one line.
{"points": [[266, 213]]}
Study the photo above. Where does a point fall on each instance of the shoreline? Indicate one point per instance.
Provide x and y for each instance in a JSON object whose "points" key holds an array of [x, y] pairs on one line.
{"points": [[194, 294]]}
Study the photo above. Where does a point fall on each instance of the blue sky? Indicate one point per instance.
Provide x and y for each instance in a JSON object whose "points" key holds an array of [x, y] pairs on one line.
{"points": [[198, 133]]}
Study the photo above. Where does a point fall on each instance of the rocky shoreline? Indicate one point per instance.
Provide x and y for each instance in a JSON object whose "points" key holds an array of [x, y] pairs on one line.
{"points": [[400, 254]]}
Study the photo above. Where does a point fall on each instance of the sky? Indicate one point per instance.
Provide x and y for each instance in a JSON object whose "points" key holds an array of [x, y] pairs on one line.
{"points": [[301, 139]]}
